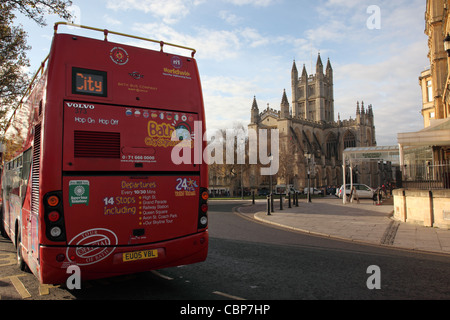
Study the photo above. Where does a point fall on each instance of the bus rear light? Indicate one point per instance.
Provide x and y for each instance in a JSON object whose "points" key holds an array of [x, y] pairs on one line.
{"points": [[60, 257], [203, 209], [55, 232], [204, 221], [53, 201], [53, 216]]}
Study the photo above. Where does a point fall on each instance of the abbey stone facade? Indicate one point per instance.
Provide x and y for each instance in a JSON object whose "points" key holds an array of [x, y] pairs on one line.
{"points": [[310, 137]]}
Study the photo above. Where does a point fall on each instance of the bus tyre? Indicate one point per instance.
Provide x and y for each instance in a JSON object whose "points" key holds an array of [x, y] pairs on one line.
{"points": [[2, 229], [20, 261]]}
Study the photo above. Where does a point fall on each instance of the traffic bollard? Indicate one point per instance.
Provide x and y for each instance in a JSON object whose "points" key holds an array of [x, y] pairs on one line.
{"points": [[271, 203], [281, 201]]}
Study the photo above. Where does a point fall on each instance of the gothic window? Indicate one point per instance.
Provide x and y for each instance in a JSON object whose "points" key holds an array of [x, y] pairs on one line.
{"points": [[331, 146], [327, 111], [311, 110], [302, 107], [349, 140]]}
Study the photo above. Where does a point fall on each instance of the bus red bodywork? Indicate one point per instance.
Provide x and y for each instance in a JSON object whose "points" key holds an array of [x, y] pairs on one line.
{"points": [[99, 187]]}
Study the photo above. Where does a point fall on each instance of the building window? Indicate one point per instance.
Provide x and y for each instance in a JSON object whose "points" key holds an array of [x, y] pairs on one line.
{"points": [[331, 146], [349, 140], [432, 115], [429, 91]]}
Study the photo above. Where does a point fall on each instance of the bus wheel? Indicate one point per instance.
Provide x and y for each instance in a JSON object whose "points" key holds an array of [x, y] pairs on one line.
{"points": [[2, 229], [20, 261]]}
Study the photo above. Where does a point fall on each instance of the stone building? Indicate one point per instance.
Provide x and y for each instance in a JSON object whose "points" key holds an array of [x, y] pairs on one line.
{"points": [[311, 140], [425, 154]]}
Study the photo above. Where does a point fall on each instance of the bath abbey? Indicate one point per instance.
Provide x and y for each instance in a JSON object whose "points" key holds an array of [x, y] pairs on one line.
{"points": [[311, 139]]}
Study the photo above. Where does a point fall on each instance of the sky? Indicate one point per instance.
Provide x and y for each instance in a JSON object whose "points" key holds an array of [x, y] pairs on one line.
{"points": [[246, 48]]}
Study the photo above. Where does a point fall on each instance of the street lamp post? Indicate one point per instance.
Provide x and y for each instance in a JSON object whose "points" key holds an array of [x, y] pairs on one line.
{"points": [[308, 160], [270, 203], [242, 183]]}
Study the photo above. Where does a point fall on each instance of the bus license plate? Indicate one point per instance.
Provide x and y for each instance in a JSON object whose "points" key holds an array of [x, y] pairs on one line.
{"points": [[140, 255]]}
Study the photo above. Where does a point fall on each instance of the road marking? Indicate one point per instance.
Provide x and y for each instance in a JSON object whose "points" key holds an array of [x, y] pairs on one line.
{"points": [[226, 295], [9, 257], [44, 289], [156, 273], [20, 287]]}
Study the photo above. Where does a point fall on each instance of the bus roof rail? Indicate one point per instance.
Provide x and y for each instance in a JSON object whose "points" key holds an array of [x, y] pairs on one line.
{"points": [[107, 32]]}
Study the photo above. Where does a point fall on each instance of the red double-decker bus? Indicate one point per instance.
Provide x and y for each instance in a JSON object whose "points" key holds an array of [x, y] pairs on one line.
{"points": [[88, 177]]}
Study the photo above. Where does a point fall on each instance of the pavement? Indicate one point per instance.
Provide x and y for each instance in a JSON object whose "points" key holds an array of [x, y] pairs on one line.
{"points": [[363, 222]]}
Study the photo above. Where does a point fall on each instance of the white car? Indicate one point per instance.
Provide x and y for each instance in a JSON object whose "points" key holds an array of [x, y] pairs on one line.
{"points": [[313, 191], [362, 190]]}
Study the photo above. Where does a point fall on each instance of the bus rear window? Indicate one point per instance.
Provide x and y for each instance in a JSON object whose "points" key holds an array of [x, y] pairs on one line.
{"points": [[89, 82]]}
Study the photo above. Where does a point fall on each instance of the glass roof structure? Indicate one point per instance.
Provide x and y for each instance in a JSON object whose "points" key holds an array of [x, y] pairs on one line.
{"points": [[376, 153]]}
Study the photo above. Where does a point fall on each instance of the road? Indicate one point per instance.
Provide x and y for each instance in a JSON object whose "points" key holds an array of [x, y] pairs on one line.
{"points": [[253, 261]]}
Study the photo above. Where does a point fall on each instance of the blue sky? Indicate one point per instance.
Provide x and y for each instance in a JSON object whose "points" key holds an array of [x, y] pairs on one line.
{"points": [[246, 48]]}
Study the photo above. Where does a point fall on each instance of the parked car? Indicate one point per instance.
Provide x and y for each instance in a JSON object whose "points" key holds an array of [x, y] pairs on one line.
{"points": [[362, 190], [313, 191], [263, 192], [294, 191]]}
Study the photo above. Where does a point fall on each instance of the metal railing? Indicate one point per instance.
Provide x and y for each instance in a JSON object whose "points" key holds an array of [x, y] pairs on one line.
{"points": [[106, 32], [427, 176]]}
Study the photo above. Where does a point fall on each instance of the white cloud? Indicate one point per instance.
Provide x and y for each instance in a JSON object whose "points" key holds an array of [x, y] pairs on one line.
{"points": [[169, 10], [391, 86], [257, 3], [253, 37], [230, 18], [210, 44], [218, 45], [227, 100], [111, 21]]}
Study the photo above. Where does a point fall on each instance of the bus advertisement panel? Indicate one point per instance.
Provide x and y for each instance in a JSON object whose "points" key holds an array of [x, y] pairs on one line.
{"points": [[89, 179]]}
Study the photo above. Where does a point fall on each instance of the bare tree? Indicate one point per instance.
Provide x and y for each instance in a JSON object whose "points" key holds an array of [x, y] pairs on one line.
{"points": [[13, 47]]}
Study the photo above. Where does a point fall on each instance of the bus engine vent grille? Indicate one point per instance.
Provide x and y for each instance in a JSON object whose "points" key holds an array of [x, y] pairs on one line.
{"points": [[36, 170], [93, 144]]}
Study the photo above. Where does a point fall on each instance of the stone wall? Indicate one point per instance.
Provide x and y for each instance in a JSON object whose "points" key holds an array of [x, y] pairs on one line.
{"points": [[430, 208]]}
